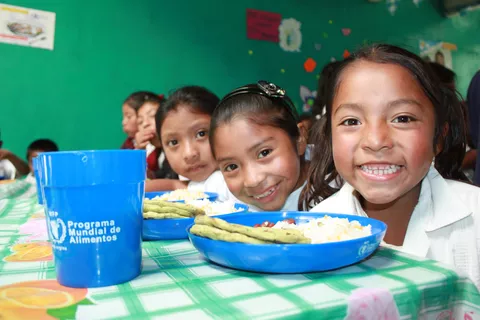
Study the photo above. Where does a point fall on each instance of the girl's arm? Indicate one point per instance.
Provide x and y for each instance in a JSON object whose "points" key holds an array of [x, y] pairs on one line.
{"points": [[20, 165], [164, 185]]}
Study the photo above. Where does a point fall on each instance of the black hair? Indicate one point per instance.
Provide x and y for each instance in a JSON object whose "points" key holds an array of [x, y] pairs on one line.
{"points": [[306, 116], [445, 75], [447, 107], [43, 145], [326, 77], [198, 99], [250, 102], [139, 98]]}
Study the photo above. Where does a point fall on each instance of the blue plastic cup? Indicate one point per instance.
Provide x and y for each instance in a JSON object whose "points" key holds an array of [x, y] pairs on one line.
{"points": [[37, 180], [94, 205]]}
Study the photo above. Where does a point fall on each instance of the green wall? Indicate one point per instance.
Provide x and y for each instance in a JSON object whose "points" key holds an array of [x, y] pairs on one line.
{"points": [[106, 49]]}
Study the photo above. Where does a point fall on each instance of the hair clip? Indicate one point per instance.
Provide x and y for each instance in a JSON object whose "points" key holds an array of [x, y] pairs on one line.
{"points": [[271, 89]]}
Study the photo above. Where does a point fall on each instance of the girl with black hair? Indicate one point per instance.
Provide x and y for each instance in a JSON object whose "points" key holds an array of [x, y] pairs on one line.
{"points": [[396, 137]]}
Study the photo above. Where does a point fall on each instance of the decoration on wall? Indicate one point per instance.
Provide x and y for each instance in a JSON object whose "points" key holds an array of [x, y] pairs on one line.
{"points": [[308, 97], [346, 31], [27, 27], [346, 54], [437, 51], [417, 2], [263, 25], [309, 65], [325, 35], [392, 6], [250, 52], [318, 46], [332, 59], [282, 70], [290, 35], [330, 21]]}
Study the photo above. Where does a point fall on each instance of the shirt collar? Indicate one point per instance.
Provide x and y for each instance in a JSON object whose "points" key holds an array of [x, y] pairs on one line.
{"points": [[447, 207]]}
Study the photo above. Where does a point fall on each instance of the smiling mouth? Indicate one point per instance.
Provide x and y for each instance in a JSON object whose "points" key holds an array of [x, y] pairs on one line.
{"points": [[266, 193], [195, 168], [380, 169]]}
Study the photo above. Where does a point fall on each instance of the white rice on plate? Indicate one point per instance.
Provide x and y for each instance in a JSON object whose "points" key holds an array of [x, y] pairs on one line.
{"points": [[329, 229], [182, 194]]}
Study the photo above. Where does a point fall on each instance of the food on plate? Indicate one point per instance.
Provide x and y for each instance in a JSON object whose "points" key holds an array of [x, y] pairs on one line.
{"points": [[269, 224], [314, 231], [269, 235], [158, 209], [182, 194], [214, 208], [219, 234]]}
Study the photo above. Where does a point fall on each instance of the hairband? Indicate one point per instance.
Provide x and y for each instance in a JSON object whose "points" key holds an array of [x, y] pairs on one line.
{"points": [[269, 90]]}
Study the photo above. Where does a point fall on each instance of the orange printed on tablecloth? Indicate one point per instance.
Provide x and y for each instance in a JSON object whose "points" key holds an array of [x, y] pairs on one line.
{"points": [[39, 299], [30, 252]]}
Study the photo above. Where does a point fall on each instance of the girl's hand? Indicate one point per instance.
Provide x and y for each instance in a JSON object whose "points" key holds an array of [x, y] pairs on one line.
{"points": [[143, 137]]}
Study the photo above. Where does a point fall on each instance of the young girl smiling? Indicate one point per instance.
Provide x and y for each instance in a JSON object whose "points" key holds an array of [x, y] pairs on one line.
{"points": [[387, 119]]}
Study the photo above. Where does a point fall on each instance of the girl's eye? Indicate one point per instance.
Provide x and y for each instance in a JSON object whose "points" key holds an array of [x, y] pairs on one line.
{"points": [[230, 167], [264, 153], [403, 119], [172, 143], [201, 134], [350, 122]]}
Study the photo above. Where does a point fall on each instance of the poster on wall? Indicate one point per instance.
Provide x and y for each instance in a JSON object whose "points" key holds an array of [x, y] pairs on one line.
{"points": [[263, 25], [27, 27], [437, 51]]}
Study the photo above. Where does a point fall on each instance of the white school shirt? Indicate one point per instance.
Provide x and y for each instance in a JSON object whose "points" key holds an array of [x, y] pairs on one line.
{"points": [[30, 178], [444, 226]]}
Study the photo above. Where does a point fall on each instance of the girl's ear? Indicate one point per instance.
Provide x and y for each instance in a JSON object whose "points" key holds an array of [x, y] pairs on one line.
{"points": [[441, 140], [302, 139]]}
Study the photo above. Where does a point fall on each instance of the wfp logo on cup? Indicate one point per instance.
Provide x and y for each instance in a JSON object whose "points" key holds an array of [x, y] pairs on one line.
{"points": [[82, 232], [58, 230]]}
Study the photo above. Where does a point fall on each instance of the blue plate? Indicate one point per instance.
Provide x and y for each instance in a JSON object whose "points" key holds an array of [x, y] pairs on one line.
{"points": [[289, 258], [171, 229], [150, 195]]}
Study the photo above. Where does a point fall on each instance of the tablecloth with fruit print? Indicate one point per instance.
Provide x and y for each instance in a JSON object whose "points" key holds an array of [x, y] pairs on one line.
{"points": [[177, 283]]}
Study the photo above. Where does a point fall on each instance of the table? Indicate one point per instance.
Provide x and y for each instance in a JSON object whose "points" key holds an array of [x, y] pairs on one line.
{"points": [[177, 283]]}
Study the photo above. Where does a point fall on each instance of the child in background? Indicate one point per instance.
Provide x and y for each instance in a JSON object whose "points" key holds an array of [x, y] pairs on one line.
{"points": [[447, 78], [146, 138], [26, 168], [183, 123], [387, 119], [129, 116], [259, 143], [36, 147]]}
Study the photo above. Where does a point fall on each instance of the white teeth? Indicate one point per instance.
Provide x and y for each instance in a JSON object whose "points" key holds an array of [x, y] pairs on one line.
{"points": [[265, 194], [380, 170]]}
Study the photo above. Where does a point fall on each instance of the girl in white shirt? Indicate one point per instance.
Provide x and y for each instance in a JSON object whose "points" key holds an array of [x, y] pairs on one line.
{"points": [[259, 144], [388, 118]]}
